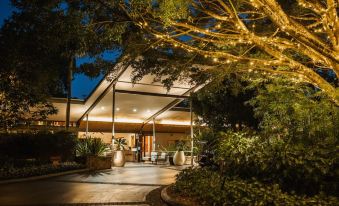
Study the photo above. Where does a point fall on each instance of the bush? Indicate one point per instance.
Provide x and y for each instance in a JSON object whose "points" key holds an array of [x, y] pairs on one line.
{"points": [[210, 188], [35, 170], [301, 168], [40, 146], [90, 147]]}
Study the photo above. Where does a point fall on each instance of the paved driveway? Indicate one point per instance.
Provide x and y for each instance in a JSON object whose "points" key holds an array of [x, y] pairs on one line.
{"points": [[128, 186]]}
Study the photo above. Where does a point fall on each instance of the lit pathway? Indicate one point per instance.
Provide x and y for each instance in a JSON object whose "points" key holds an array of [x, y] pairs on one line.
{"points": [[120, 186]]}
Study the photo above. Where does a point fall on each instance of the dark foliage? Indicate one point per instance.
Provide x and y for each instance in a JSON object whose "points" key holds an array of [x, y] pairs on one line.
{"points": [[305, 169], [210, 188], [35, 170], [221, 104], [40, 146], [39, 46]]}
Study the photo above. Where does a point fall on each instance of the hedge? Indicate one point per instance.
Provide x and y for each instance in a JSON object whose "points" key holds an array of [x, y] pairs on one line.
{"points": [[209, 188], [40, 146]]}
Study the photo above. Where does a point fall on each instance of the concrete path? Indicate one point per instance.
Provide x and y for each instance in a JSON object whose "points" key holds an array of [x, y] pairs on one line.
{"points": [[120, 186]]}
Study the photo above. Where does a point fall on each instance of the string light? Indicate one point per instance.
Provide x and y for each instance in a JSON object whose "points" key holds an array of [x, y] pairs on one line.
{"points": [[273, 44]]}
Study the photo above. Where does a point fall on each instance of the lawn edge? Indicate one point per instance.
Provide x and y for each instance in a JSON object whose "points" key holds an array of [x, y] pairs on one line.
{"points": [[42, 176]]}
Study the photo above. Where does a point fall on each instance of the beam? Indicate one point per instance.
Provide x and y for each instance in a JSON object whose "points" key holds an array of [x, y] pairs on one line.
{"points": [[150, 94], [153, 139], [113, 114], [86, 125], [152, 84], [192, 134], [167, 107], [103, 94]]}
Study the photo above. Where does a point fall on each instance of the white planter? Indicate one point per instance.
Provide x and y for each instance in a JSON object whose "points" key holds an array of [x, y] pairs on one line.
{"points": [[179, 158], [119, 158]]}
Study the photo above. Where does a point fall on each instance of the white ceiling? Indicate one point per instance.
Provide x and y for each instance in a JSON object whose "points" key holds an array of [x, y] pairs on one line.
{"points": [[134, 108]]}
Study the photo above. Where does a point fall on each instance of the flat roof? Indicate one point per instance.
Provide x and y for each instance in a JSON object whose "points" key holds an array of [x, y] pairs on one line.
{"points": [[138, 102]]}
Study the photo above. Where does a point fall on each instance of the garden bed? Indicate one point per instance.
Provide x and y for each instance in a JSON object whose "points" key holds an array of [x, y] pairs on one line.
{"points": [[176, 199], [37, 170], [202, 186]]}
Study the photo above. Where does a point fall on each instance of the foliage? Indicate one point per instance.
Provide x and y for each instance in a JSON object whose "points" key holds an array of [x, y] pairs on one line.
{"points": [[90, 146], [294, 38], [209, 188], [35, 170], [294, 110], [301, 168], [181, 145], [41, 145], [120, 143], [39, 46], [221, 103]]}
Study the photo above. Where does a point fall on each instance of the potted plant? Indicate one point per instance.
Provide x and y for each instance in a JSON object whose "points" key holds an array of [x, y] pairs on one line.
{"points": [[170, 150], [92, 149], [119, 155], [179, 156]]}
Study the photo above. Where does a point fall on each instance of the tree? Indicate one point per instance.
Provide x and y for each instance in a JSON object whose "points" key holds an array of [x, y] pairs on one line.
{"points": [[43, 39], [296, 38], [222, 104], [294, 111]]}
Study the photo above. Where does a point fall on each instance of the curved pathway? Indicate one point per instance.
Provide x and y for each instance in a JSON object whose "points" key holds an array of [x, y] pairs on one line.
{"points": [[119, 186]]}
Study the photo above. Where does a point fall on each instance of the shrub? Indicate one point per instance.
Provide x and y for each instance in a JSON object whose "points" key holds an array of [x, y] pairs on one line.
{"points": [[40, 146], [90, 146], [305, 169], [35, 170], [210, 188]]}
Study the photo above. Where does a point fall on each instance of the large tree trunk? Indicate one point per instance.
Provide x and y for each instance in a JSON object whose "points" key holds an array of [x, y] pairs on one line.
{"points": [[69, 92]]}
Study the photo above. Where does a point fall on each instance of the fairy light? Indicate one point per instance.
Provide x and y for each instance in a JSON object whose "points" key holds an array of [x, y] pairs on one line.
{"points": [[297, 38]]}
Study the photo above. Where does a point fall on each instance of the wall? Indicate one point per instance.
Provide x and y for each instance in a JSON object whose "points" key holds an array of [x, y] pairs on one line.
{"points": [[162, 139], [107, 137]]}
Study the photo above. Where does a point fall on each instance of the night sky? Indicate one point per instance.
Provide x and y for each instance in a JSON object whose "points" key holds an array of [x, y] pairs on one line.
{"points": [[82, 85]]}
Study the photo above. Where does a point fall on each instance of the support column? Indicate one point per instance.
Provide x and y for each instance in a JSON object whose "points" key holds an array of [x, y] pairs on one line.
{"points": [[153, 143], [149, 145], [192, 136], [86, 125], [113, 116]]}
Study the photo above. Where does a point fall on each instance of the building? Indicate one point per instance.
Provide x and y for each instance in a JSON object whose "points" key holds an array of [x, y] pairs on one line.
{"points": [[148, 115]]}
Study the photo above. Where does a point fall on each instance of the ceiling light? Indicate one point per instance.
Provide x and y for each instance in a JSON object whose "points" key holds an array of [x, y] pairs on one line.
{"points": [[134, 110], [102, 108], [148, 111], [118, 109]]}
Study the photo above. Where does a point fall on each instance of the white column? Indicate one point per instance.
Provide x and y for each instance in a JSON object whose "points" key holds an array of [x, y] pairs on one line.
{"points": [[113, 116], [86, 125], [192, 143], [153, 143], [149, 145]]}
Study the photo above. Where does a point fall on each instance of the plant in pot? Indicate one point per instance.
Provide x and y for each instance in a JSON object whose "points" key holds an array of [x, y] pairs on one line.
{"points": [[92, 150], [119, 155], [179, 156], [170, 150]]}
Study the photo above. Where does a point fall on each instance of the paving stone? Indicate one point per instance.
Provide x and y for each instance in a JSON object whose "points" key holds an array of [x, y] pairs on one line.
{"points": [[119, 186]]}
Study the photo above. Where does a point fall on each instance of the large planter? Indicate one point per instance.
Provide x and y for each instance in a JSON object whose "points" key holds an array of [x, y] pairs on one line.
{"points": [[119, 158], [179, 158], [98, 162]]}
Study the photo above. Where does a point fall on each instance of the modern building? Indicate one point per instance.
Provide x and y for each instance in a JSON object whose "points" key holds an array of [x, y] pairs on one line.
{"points": [[148, 115]]}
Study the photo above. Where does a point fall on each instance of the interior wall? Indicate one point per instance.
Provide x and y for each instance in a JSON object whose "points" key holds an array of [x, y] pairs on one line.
{"points": [[162, 140], [107, 137]]}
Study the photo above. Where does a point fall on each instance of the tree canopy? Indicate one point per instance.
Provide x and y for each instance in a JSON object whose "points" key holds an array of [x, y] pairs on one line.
{"points": [[222, 104], [40, 44], [296, 38]]}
